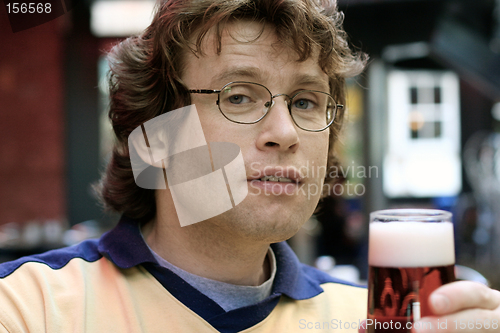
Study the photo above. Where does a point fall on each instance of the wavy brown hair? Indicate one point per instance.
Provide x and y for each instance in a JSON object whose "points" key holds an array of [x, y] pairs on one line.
{"points": [[145, 76]]}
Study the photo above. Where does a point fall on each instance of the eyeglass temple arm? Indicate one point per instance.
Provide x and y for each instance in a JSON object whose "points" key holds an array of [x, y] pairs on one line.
{"points": [[204, 91]]}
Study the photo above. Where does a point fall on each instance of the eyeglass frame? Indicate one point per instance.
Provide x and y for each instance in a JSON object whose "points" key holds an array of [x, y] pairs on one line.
{"points": [[289, 105]]}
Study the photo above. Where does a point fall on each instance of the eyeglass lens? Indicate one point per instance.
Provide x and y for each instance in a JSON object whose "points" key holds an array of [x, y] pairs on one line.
{"points": [[249, 102]]}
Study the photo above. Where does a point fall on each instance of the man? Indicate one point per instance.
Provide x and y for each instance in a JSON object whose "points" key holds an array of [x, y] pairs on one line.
{"points": [[150, 274]]}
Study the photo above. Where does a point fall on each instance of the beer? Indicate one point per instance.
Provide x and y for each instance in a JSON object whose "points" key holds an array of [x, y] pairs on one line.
{"points": [[408, 261]]}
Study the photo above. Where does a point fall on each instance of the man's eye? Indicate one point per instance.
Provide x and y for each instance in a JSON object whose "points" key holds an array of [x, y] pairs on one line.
{"points": [[238, 99], [303, 104]]}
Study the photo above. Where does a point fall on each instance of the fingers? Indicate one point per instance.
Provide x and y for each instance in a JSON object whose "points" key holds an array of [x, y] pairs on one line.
{"points": [[467, 321], [465, 307], [362, 327], [463, 295]]}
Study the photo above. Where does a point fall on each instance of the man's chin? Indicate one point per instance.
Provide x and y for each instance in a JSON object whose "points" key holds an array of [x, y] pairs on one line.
{"points": [[269, 234], [259, 224]]}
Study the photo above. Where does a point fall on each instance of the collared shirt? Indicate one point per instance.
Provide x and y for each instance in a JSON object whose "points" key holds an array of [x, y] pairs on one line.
{"points": [[115, 284], [227, 295]]}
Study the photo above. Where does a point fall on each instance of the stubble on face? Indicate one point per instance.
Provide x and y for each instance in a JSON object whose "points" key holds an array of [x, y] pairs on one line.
{"points": [[260, 217]]}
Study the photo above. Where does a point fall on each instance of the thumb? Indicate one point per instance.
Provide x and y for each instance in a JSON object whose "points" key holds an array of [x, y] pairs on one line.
{"points": [[362, 327]]}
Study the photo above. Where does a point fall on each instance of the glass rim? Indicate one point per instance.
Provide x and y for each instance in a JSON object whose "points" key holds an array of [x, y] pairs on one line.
{"points": [[291, 98], [410, 214], [271, 94]]}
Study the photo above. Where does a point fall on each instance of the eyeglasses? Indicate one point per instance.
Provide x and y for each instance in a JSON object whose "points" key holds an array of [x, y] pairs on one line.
{"points": [[248, 103]]}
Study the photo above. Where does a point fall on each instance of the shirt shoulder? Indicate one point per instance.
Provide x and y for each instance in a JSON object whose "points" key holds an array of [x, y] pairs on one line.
{"points": [[55, 259], [340, 307], [37, 291], [340, 300]]}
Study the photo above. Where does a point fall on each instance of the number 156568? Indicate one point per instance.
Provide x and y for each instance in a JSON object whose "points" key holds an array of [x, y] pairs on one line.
{"points": [[29, 8]]}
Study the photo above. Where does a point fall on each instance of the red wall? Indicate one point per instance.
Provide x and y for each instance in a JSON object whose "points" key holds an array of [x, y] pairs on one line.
{"points": [[31, 122]]}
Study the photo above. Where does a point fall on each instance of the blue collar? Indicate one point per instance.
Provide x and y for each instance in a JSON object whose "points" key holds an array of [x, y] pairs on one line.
{"points": [[125, 247]]}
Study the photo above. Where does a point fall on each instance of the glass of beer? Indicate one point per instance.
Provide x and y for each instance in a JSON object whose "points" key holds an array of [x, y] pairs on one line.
{"points": [[411, 253]]}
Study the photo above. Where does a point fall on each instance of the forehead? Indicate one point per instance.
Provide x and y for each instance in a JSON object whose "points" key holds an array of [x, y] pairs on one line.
{"points": [[250, 51]]}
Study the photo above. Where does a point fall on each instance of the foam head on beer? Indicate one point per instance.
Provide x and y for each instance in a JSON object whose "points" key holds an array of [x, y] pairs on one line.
{"points": [[411, 244]]}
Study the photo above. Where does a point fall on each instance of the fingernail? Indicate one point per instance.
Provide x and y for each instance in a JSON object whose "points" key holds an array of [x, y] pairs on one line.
{"points": [[440, 303]]}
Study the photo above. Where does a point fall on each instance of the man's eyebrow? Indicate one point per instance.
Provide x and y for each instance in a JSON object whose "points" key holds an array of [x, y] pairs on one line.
{"points": [[315, 81], [311, 81], [230, 74]]}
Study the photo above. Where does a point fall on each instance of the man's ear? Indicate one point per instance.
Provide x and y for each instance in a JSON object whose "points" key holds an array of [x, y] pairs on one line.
{"points": [[152, 143]]}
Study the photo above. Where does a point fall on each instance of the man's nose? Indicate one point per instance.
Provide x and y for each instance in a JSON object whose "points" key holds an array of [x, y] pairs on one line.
{"points": [[278, 130]]}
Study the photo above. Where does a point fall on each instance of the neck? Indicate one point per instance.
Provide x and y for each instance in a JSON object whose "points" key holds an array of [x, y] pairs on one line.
{"points": [[207, 249]]}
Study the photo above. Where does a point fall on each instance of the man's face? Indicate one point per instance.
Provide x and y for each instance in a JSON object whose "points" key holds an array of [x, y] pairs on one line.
{"points": [[275, 146]]}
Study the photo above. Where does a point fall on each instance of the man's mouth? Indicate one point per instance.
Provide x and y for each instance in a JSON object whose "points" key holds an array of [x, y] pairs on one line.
{"points": [[276, 179], [277, 175]]}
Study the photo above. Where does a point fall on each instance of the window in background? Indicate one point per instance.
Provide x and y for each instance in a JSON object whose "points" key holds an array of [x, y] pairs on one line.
{"points": [[114, 18], [423, 155]]}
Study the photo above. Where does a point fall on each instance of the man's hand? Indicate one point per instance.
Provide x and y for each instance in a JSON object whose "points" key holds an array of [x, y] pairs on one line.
{"points": [[462, 307]]}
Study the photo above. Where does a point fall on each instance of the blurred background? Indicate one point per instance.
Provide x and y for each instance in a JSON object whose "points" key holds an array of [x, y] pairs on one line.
{"points": [[421, 130]]}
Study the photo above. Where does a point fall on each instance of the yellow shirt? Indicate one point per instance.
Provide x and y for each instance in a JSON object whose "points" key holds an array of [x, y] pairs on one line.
{"points": [[115, 285]]}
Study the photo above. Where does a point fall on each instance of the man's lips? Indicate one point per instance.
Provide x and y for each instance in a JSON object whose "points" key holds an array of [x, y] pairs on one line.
{"points": [[277, 175]]}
